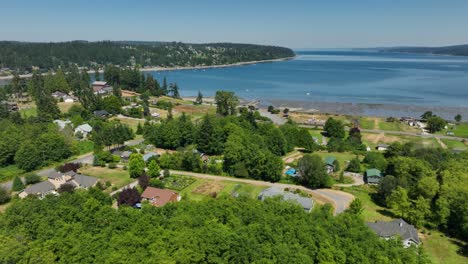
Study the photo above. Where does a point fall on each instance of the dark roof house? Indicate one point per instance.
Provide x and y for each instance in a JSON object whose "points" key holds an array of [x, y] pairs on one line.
{"points": [[398, 227], [373, 176], [101, 113]]}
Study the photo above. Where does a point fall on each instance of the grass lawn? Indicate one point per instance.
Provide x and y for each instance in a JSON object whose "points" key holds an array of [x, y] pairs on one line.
{"points": [[373, 139], [367, 123], [396, 126], [64, 107], [177, 182], [460, 130], [202, 188], [28, 112], [118, 177], [132, 123], [317, 133], [9, 172], [341, 157], [440, 249], [454, 144], [85, 146]]}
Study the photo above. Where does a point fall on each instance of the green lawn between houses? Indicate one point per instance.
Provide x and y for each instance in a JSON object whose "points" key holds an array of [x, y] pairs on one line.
{"points": [[451, 144], [440, 248], [460, 130]]}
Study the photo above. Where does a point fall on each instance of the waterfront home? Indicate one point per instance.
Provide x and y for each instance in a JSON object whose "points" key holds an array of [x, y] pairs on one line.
{"points": [[101, 88], [396, 228]]}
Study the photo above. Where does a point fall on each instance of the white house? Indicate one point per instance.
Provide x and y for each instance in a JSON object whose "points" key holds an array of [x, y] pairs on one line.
{"points": [[84, 129], [62, 124]]}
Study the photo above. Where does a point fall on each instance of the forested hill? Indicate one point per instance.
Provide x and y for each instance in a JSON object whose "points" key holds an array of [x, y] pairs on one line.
{"points": [[23, 56], [459, 50]]}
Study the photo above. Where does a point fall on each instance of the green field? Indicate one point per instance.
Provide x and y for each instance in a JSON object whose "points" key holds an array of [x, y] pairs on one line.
{"points": [[193, 191], [451, 144], [342, 158], [28, 112], [85, 146], [366, 123], [460, 130], [118, 177]]}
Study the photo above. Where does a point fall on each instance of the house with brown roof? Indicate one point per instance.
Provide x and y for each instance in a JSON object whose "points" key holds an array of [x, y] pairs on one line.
{"points": [[159, 197]]}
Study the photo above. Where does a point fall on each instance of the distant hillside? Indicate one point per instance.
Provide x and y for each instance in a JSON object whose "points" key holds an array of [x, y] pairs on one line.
{"points": [[459, 50], [23, 56]]}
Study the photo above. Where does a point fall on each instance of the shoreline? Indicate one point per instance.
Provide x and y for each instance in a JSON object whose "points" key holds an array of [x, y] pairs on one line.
{"points": [[177, 68]]}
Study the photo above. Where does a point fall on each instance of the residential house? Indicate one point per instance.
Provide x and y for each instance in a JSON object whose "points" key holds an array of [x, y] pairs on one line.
{"points": [[398, 227], [329, 163], [382, 147], [62, 124], [40, 189], [101, 88], [450, 133], [64, 97], [57, 95], [159, 197], [84, 129], [57, 179], [101, 113], [125, 156], [306, 203], [10, 106], [148, 155], [373, 176]]}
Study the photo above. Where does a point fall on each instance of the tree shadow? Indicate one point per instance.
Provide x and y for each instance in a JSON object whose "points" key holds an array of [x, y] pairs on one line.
{"points": [[462, 247], [387, 213]]}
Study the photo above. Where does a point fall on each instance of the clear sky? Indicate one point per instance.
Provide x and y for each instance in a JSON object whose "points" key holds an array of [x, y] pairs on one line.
{"points": [[292, 23]]}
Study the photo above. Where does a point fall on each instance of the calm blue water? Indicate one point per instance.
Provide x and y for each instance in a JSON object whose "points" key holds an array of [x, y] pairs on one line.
{"points": [[339, 76]]}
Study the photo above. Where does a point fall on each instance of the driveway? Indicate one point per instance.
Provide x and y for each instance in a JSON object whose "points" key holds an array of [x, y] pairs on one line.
{"points": [[338, 199], [277, 120]]}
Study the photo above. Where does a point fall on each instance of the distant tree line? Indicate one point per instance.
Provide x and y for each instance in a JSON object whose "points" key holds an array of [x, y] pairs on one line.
{"points": [[23, 56], [459, 50]]}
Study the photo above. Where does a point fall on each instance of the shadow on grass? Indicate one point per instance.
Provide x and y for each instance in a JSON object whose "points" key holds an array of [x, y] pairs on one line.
{"points": [[462, 247], [386, 213]]}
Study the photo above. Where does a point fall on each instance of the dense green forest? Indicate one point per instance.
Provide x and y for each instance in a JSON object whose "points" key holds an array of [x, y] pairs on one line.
{"points": [[82, 227], [459, 50], [22, 56]]}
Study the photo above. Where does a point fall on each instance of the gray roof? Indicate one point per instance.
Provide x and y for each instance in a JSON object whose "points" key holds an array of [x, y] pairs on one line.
{"points": [[126, 154], [373, 179], [395, 227], [85, 181], [148, 155], [41, 187], [305, 202]]}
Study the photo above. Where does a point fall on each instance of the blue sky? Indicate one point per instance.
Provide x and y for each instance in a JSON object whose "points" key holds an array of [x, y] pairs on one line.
{"points": [[292, 23]]}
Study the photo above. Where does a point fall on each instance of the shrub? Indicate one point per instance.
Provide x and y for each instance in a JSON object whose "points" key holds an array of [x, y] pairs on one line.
{"points": [[32, 178], [69, 167], [112, 166], [4, 196], [17, 184], [166, 173]]}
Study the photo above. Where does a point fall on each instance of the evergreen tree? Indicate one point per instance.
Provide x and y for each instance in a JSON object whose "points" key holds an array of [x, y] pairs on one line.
{"points": [[17, 184], [139, 130], [164, 87], [313, 171], [199, 99], [153, 169]]}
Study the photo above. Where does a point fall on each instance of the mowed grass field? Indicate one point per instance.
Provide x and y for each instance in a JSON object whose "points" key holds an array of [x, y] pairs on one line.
{"points": [[118, 177], [451, 144], [204, 188], [460, 130]]}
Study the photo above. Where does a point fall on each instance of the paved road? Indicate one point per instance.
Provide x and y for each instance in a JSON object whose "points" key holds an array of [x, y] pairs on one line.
{"points": [[277, 120], [415, 134], [129, 186], [87, 159], [340, 200]]}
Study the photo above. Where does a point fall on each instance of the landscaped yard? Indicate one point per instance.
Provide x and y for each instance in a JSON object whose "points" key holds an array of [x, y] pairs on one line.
{"points": [[460, 130], [118, 177], [177, 182], [28, 112], [441, 249], [85, 146], [451, 144], [64, 107], [131, 122]]}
